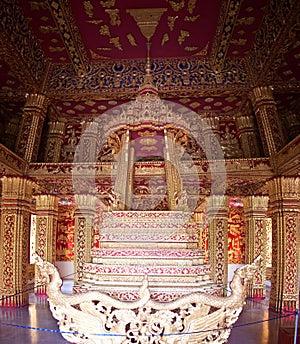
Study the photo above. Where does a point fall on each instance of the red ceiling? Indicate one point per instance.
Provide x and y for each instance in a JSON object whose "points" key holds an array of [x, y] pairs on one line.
{"points": [[107, 29], [197, 31]]}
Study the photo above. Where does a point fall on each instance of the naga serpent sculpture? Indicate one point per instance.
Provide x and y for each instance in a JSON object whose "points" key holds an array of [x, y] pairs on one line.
{"points": [[95, 317]]}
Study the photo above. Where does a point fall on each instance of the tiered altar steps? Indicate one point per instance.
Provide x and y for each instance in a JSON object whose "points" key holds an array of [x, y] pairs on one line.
{"points": [[161, 245]]}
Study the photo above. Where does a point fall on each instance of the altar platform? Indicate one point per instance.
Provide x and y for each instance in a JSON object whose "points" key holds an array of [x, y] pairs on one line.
{"points": [[160, 244]]}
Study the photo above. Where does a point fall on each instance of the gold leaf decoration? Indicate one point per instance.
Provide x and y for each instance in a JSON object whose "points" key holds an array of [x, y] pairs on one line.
{"points": [[104, 30], [116, 42], [56, 49], [177, 6], [48, 29], [37, 5], [191, 18], [238, 41], [191, 5], [246, 21], [114, 17], [88, 7], [147, 19], [171, 22], [148, 141], [190, 48], [103, 48], [147, 133], [131, 40], [108, 3], [202, 52], [148, 148], [95, 21], [183, 35], [79, 107], [164, 39], [97, 56], [194, 105]]}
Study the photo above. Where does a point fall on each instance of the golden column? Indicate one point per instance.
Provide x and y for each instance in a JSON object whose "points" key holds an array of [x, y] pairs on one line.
{"points": [[46, 227], [284, 209], [84, 225], [54, 141], [255, 210], [172, 170], [217, 213], [247, 134], [14, 240], [123, 167], [211, 134], [268, 120], [198, 218], [30, 132]]}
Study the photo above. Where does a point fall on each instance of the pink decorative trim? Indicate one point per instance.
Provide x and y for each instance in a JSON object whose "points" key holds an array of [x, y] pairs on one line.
{"points": [[143, 270], [184, 253]]}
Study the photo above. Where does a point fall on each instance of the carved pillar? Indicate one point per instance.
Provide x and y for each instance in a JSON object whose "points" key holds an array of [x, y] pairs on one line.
{"points": [[54, 142], [284, 211], [46, 227], [172, 170], [268, 119], [255, 210], [211, 135], [217, 213], [14, 241], [83, 236], [123, 172], [87, 150], [31, 127], [247, 135], [198, 218]]}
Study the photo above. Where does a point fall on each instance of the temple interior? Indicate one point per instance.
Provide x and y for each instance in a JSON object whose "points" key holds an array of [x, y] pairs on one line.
{"points": [[157, 138]]}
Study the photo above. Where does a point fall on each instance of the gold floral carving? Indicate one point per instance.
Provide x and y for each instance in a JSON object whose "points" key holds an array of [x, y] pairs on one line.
{"points": [[177, 6], [171, 22]]}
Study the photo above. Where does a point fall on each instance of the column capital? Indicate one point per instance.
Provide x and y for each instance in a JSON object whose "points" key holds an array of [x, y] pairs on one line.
{"points": [[217, 205], [37, 101], [256, 204], [261, 94], [46, 202], [282, 187], [17, 187], [85, 204], [56, 128]]}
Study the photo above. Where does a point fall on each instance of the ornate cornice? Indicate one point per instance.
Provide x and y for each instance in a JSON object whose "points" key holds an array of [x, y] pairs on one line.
{"points": [[18, 46], [173, 77], [274, 39], [10, 163], [224, 33], [287, 160], [69, 32]]}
